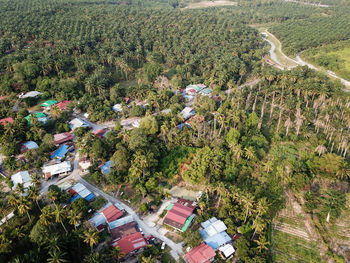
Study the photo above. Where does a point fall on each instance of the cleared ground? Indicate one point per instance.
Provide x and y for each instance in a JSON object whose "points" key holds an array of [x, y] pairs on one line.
{"points": [[206, 4]]}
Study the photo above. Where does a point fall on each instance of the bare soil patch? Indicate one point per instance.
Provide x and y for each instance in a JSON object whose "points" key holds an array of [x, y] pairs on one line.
{"points": [[206, 4], [176, 238]]}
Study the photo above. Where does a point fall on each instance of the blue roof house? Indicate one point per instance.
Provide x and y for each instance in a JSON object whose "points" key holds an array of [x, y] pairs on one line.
{"points": [[106, 168], [60, 152]]}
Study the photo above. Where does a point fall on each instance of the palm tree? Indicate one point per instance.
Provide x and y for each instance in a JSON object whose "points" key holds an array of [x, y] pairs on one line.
{"points": [[35, 179], [46, 216], [320, 149], [20, 189], [74, 218], [33, 194], [13, 200], [57, 256], [24, 206], [288, 124], [60, 215], [91, 237], [262, 243], [258, 226], [247, 200], [116, 253]]}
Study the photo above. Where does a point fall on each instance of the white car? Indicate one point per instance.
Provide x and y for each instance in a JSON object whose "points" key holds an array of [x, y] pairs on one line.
{"points": [[163, 246]]}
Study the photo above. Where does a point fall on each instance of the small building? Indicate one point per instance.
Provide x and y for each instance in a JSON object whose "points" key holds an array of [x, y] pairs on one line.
{"points": [[118, 233], [131, 243], [62, 137], [100, 219], [131, 123], [106, 167], [120, 222], [180, 215], [49, 103], [23, 178], [214, 233], [100, 133], [187, 112], [59, 169], [206, 92], [63, 104], [118, 108], [200, 254], [29, 145], [80, 191], [84, 164], [227, 251], [77, 123], [60, 153], [30, 94], [111, 213], [193, 89], [39, 115], [5, 121]]}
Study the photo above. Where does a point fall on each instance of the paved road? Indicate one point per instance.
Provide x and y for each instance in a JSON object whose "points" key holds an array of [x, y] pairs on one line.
{"points": [[250, 83], [300, 62], [176, 249]]}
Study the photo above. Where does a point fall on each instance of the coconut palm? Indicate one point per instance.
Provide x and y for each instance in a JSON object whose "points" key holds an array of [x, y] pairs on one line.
{"points": [[74, 218], [33, 194], [57, 256], [91, 237], [24, 207], [60, 215]]}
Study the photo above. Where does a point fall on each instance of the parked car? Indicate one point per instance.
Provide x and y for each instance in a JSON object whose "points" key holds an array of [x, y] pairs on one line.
{"points": [[163, 246]]}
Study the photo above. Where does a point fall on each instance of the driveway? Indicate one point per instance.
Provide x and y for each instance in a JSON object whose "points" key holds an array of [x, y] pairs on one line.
{"points": [[176, 249]]}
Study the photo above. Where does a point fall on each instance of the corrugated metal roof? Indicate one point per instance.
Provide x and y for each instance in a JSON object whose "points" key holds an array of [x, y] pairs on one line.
{"points": [[112, 213], [131, 242], [60, 152], [200, 254], [121, 221]]}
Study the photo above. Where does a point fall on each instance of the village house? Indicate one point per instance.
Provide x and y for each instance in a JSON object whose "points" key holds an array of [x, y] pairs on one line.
{"points": [[106, 167], [29, 145], [23, 178], [62, 137], [30, 94], [84, 164], [77, 123], [5, 121], [214, 234], [60, 153], [118, 108], [59, 169], [131, 243], [131, 123], [63, 104], [200, 254], [180, 214], [39, 115], [49, 103], [109, 213], [80, 191], [187, 113]]}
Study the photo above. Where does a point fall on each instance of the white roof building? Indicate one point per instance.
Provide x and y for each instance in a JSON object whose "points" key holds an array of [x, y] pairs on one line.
{"points": [[187, 113], [30, 94], [56, 169], [22, 177], [77, 123], [213, 226], [227, 250], [117, 108]]}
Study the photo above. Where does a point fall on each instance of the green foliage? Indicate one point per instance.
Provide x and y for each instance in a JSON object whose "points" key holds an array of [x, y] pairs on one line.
{"points": [[98, 203]]}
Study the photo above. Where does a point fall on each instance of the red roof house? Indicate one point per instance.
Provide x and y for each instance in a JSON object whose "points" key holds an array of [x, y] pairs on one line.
{"points": [[6, 120], [201, 254], [178, 214], [63, 137], [131, 243], [99, 133], [111, 213], [63, 104]]}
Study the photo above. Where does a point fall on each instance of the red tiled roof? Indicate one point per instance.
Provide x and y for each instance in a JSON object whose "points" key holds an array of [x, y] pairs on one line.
{"points": [[63, 137], [130, 243], [6, 120], [112, 213], [99, 133], [201, 254], [63, 104]]}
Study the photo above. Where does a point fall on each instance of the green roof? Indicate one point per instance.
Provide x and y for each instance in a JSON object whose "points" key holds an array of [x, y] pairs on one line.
{"points": [[49, 103], [187, 223], [37, 114], [169, 206]]}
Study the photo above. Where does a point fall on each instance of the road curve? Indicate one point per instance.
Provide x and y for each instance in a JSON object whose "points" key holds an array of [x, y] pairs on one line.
{"points": [[300, 62]]}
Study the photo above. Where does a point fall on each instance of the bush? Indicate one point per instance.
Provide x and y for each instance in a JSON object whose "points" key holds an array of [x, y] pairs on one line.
{"points": [[143, 207], [98, 203]]}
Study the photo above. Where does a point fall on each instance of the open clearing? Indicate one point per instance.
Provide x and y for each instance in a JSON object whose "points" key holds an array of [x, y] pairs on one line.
{"points": [[206, 4]]}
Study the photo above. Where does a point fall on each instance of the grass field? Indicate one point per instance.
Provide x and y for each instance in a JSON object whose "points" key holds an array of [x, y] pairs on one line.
{"points": [[288, 248], [335, 57]]}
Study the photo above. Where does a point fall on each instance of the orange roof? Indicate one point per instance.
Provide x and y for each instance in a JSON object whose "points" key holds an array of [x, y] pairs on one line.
{"points": [[201, 254], [6, 120], [111, 213]]}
